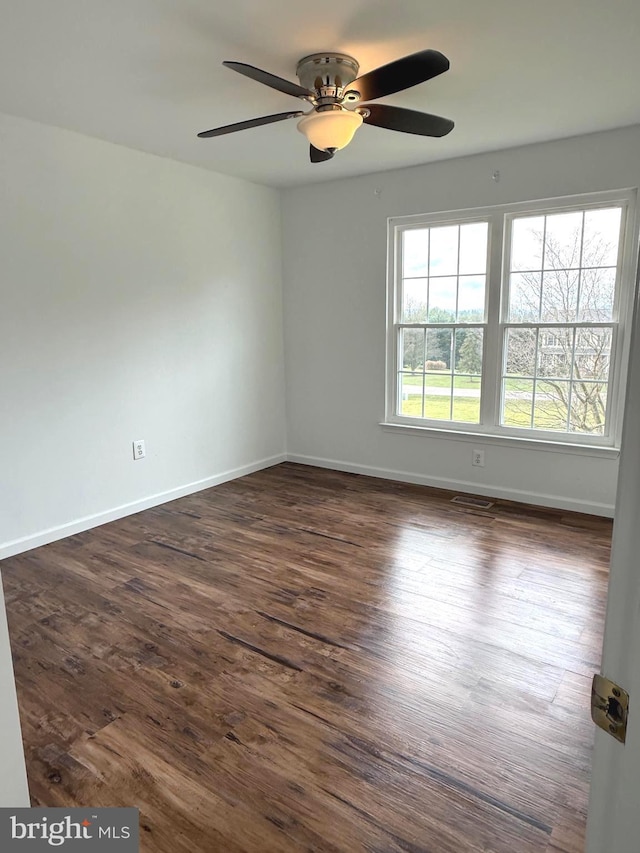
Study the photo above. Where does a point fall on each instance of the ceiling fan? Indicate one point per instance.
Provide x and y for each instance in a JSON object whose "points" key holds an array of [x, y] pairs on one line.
{"points": [[329, 81]]}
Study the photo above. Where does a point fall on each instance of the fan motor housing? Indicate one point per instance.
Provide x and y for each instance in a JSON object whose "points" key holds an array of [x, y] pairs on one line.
{"points": [[327, 73]]}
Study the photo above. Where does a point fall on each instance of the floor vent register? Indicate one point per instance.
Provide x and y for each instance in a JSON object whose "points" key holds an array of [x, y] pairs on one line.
{"points": [[476, 503]]}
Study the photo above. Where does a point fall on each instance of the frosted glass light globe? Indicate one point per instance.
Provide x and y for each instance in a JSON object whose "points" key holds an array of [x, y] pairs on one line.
{"points": [[330, 129]]}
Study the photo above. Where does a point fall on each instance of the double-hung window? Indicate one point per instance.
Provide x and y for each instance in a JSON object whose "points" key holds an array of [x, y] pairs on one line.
{"points": [[510, 321]]}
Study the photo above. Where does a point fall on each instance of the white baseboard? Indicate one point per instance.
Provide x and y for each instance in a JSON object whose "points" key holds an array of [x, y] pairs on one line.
{"points": [[518, 495], [52, 534]]}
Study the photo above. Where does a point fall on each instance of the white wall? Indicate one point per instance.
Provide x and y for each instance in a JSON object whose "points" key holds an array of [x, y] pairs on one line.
{"points": [[334, 298], [139, 298]]}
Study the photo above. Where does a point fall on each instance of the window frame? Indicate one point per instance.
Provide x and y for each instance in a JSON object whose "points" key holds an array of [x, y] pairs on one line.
{"points": [[500, 219]]}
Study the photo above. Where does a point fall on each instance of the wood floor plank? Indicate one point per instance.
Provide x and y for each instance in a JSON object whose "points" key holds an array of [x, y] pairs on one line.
{"points": [[305, 660]]}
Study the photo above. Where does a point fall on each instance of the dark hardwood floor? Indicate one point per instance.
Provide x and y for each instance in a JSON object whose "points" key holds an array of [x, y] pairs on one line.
{"points": [[304, 660]]}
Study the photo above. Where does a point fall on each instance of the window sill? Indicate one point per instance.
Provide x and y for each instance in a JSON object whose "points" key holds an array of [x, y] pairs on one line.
{"points": [[511, 441]]}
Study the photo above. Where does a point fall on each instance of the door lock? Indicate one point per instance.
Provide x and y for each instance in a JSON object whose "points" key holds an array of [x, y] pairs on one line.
{"points": [[609, 707]]}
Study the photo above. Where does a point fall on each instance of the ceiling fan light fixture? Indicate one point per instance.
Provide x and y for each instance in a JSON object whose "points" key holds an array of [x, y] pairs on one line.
{"points": [[330, 129], [329, 80]]}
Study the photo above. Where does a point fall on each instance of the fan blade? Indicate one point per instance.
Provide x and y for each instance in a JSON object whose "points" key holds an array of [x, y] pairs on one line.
{"points": [[269, 79], [318, 156], [407, 121], [401, 74], [243, 125]]}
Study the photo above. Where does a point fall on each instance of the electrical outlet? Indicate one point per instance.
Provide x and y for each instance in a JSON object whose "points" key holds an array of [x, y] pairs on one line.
{"points": [[139, 451], [477, 458]]}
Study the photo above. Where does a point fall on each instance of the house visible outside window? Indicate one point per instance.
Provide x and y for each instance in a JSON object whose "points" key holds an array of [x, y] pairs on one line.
{"points": [[511, 321]]}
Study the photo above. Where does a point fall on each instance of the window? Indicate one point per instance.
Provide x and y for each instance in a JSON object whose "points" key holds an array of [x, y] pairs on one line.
{"points": [[443, 308], [509, 321]]}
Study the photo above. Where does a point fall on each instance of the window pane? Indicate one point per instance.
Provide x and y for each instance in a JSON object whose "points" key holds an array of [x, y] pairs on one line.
{"points": [[551, 405], [517, 403], [473, 248], [601, 237], [412, 348], [524, 297], [521, 352], [588, 407], [410, 395], [414, 300], [555, 352], [563, 241], [443, 259], [593, 354], [469, 351], [526, 243], [471, 299], [559, 296], [466, 398], [438, 355], [597, 288], [437, 401], [415, 252], [442, 299]]}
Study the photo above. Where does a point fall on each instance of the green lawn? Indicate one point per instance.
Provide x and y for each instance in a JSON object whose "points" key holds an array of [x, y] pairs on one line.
{"points": [[549, 414], [467, 410], [443, 380], [464, 408]]}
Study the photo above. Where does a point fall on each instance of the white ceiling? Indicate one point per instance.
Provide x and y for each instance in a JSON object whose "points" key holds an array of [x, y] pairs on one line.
{"points": [[147, 74]]}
